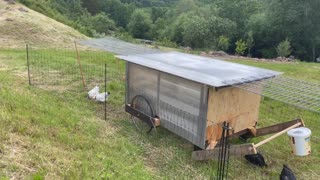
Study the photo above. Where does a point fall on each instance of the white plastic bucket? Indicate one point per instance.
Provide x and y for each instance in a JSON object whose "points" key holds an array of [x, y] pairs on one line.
{"points": [[300, 141]]}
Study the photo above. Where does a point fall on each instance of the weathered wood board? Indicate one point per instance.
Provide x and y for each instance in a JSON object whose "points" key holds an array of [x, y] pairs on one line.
{"points": [[238, 107]]}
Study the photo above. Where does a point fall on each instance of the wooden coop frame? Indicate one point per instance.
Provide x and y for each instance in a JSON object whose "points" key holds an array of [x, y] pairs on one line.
{"points": [[208, 92], [204, 87]]}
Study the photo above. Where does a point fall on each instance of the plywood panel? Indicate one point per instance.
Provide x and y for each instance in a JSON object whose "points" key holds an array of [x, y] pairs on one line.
{"points": [[238, 107]]}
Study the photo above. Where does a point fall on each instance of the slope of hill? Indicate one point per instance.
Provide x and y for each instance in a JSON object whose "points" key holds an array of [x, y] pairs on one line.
{"points": [[20, 25]]}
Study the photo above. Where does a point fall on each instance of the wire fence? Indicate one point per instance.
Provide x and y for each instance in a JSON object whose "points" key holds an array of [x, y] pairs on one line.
{"points": [[276, 153], [67, 68], [80, 70], [76, 71]]}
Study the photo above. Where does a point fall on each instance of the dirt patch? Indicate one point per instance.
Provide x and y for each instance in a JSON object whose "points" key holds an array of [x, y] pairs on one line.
{"points": [[4, 67], [23, 74], [9, 19], [15, 154], [21, 9]]}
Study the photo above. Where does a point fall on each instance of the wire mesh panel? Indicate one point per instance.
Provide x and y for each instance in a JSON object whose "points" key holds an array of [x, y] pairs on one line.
{"points": [[143, 81], [53, 69], [180, 108], [177, 102], [299, 93], [67, 69]]}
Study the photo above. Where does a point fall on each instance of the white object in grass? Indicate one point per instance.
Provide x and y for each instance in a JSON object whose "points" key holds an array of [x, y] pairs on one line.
{"points": [[93, 92], [102, 97]]}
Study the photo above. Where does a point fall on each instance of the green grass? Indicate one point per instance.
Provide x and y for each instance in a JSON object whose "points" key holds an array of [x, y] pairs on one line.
{"points": [[299, 70], [60, 135], [47, 133]]}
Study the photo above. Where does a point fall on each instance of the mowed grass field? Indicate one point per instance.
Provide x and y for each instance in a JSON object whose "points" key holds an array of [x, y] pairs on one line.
{"points": [[59, 134]]}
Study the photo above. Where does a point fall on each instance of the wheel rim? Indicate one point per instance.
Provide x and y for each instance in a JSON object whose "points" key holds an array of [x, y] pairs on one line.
{"points": [[140, 103]]}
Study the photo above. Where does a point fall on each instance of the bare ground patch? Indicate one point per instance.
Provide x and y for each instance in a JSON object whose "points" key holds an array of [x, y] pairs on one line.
{"points": [[14, 157]]}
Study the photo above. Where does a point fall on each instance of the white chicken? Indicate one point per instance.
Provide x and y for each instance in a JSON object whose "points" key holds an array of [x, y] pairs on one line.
{"points": [[93, 92], [102, 97]]}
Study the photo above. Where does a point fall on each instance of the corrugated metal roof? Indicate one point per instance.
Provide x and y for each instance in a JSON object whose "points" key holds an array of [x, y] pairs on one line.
{"points": [[209, 71]]}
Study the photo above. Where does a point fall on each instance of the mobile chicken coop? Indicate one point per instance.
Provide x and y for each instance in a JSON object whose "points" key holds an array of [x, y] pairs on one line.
{"points": [[192, 95]]}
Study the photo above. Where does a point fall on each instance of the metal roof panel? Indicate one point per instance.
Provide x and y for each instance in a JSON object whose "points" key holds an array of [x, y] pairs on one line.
{"points": [[205, 70]]}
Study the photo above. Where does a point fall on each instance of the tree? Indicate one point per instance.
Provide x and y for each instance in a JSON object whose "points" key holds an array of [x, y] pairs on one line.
{"points": [[140, 24], [297, 20], [284, 48], [102, 23], [157, 12], [184, 6], [158, 28], [223, 43], [241, 47], [93, 6], [119, 11], [196, 32], [219, 27], [250, 42]]}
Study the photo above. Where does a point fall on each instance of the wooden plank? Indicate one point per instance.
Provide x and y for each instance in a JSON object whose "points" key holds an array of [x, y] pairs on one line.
{"points": [[140, 115], [277, 135], [238, 107], [277, 128], [235, 150], [267, 130]]}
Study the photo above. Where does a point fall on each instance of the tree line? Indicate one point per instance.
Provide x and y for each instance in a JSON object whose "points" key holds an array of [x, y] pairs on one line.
{"points": [[255, 28]]}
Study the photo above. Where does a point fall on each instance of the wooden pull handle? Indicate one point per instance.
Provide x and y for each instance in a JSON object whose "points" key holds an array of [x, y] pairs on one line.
{"points": [[276, 135]]}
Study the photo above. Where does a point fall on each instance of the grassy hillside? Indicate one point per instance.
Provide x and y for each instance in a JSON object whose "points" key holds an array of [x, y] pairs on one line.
{"points": [[60, 134], [56, 135], [20, 25]]}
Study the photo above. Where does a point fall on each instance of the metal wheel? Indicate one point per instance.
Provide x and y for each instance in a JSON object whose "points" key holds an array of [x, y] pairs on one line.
{"points": [[141, 103]]}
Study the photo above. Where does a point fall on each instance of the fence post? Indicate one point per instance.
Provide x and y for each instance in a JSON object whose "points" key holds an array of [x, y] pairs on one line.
{"points": [[79, 63], [28, 64], [105, 90]]}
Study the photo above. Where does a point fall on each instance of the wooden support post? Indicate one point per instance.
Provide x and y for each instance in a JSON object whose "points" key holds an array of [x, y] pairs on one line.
{"points": [[80, 66]]}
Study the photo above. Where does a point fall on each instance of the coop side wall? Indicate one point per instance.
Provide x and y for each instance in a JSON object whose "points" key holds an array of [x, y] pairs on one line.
{"points": [[237, 106], [180, 103]]}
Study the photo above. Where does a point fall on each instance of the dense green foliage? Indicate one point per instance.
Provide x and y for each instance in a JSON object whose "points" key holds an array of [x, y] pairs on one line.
{"points": [[199, 23], [241, 46], [284, 48]]}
